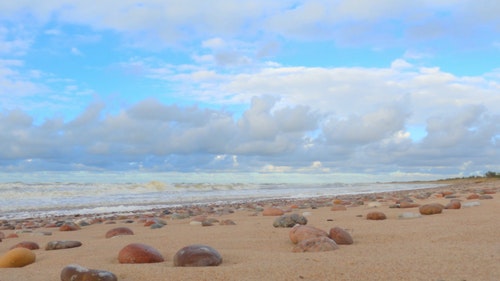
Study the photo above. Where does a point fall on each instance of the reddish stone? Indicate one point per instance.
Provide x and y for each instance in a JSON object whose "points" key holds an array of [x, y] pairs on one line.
{"points": [[272, 211], [488, 191], [315, 244], [340, 236], [58, 245], [69, 227], [139, 253], [12, 235], [375, 216], [473, 196], [406, 204], [303, 232], [149, 223], [197, 255], [119, 231], [78, 273], [338, 207], [227, 222], [431, 209], [454, 204], [26, 244]]}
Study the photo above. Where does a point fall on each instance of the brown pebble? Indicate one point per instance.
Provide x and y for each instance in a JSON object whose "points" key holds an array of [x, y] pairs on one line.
{"points": [[304, 232], [119, 231], [139, 253], [197, 255], [17, 257], [316, 244], [78, 273], [26, 244], [340, 236], [431, 209], [376, 216]]}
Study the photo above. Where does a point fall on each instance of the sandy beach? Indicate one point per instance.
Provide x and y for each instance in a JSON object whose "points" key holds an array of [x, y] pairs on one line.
{"points": [[457, 244]]}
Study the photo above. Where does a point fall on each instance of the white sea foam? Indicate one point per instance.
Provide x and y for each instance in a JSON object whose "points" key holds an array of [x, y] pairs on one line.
{"points": [[21, 200]]}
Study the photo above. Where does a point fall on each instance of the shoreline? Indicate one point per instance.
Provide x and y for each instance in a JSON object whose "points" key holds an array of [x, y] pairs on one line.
{"points": [[455, 245]]}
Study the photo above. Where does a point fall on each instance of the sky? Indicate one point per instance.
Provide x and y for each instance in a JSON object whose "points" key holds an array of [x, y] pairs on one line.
{"points": [[389, 88]]}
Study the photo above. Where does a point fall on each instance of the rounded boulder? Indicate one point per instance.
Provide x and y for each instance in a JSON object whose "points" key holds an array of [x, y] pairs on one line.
{"points": [[197, 255], [75, 272], [340, 236], [139, 253], [304, 232], [119, 231], [431, 209], [17, 257]]}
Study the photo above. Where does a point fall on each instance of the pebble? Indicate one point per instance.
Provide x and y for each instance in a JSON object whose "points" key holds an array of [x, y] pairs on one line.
{"points": [[75, 272], [139, 253], [272, 211], [316, 244], [409, 215], [58, 245], [118, 231], [340, 236], [338, 207], [17, 257], [431, 209], [27, 244], [454, 204], [374, 205], [290, 220], [376, 216], [470, 204], [227, 222], [69, 226], [197, 255], [304, 232]]}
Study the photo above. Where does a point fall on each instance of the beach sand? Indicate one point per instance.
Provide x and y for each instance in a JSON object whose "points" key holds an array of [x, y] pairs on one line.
{"points": [[462, 244]]}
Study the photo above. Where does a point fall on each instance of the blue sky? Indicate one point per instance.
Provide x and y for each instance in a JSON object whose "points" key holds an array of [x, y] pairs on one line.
{"points": [[394, 89]]}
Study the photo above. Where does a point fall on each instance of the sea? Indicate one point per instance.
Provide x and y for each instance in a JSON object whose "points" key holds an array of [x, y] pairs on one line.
{"points": [[40, 197]]}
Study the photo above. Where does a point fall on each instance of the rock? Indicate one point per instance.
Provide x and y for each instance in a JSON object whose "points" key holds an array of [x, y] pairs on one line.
{"points": [[69, 226], [272, 212], [338, 207], [139, 253], [227, 222], [473, 196], [340, 236], [406, 204], [26, 244], [156, 226], [197, 255], [454, 204], [304, 232], [17, 257], [119, 231], [12, 235], [471, 204], [58, 245], [431, 209], [409, 215], [316, 244], [75, 272], [485, 196], [374, 205], [375, 216], [290, 220]]}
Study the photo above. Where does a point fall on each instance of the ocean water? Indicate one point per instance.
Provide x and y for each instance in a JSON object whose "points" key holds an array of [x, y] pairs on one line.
{"points": [[42, 199]]}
